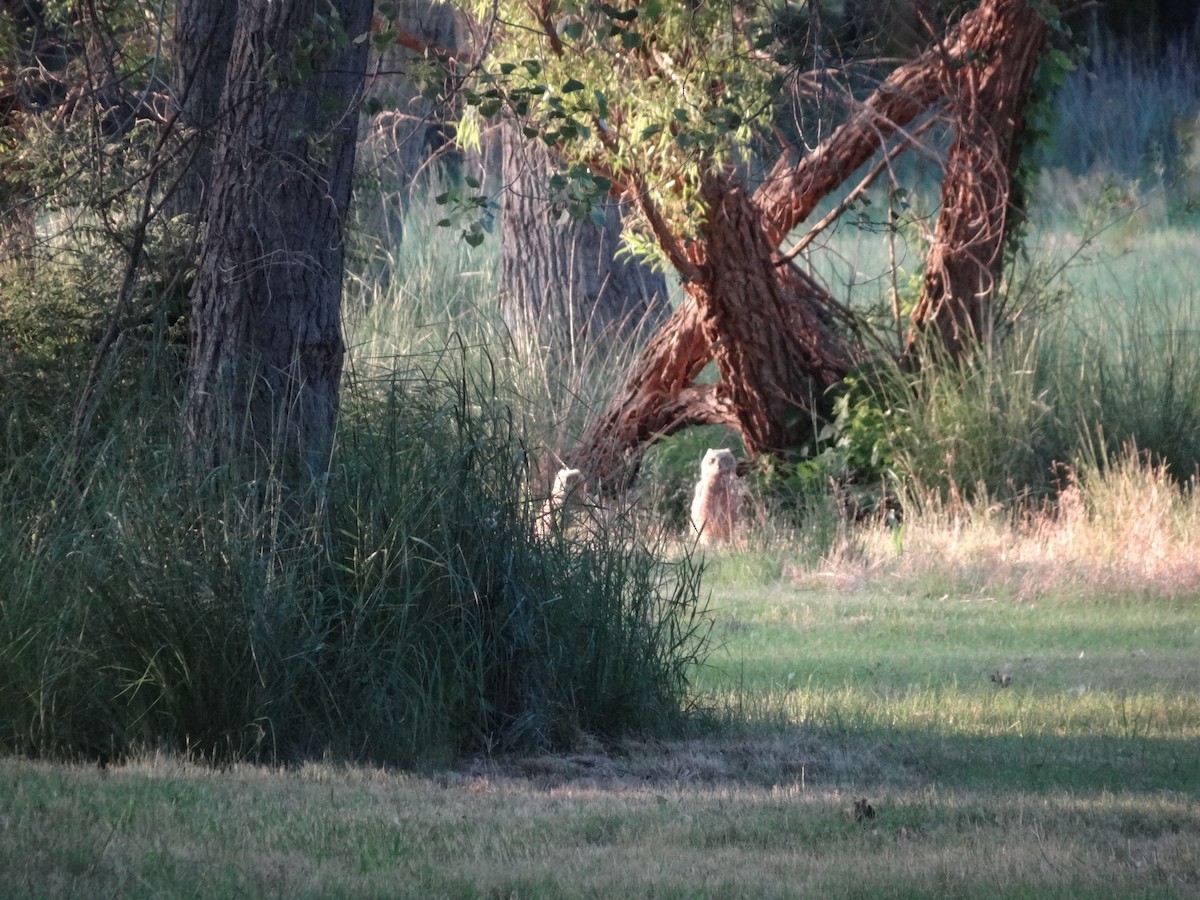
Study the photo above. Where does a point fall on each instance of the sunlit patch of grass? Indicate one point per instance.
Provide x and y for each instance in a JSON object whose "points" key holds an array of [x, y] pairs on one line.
{"points": [[1121, 527]]}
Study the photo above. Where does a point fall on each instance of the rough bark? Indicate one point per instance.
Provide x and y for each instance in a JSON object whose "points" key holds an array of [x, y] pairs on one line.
{"points": [[965, 262], [658, 397], [766, 326], [769, 327], [795, 184], [561, 279], [202, 42], [266, 344]]}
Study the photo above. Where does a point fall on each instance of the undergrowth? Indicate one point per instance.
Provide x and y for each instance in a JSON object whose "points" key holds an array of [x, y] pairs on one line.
{"points": [[402, 613]]}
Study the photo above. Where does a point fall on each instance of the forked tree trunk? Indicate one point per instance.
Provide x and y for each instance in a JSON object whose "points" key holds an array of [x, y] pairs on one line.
{"points": [[266, 347], [562, 280], [965, 262], [767, 326]]}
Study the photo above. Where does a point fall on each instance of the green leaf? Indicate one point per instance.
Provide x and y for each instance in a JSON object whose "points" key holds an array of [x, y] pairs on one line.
{"points": [[443, 223], [474, 238], [612, 12], [471, 181], [631, 40], [574, 30], [573, 85], [489, 107], [650, 131], [533, 67], [1061, 59]]}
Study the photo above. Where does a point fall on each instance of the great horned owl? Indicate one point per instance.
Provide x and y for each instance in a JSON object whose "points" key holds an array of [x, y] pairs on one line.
{"points": [[566, 494], [718, 495]]}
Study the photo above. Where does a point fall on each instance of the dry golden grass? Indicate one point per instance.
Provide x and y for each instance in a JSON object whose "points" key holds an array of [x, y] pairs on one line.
{"points": [[1124, 529]]}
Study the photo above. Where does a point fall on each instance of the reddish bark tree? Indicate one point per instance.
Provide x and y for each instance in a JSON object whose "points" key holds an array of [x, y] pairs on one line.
{"points": [[986, 95], [771, 331]]}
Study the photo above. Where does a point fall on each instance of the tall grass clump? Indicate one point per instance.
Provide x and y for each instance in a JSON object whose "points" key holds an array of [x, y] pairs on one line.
{"points": [[1124, 363], [402, 612], [1099, 350]]}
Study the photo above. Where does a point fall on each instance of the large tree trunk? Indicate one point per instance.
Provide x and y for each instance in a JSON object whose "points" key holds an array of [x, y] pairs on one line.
{"points": [[202, 43], [561, 279], [767, 327], [965, 262], [266, 348]]}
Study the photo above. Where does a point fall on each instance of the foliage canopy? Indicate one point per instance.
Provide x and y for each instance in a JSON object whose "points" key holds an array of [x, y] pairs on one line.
{"points": [[648, 97]]}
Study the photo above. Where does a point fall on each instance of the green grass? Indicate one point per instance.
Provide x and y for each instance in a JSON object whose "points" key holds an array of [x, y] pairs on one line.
{"points": [[1080, 778]]}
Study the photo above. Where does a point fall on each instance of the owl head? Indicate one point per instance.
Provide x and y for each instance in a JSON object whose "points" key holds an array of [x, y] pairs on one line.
{"points": [[566, 481], [718, 461]]}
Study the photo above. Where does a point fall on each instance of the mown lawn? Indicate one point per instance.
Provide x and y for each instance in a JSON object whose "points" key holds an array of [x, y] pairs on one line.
{"points": [[1048, 747]]}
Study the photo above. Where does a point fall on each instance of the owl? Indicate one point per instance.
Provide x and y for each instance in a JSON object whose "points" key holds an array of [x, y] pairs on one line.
{"points": [[717, 498], [565, 496]]}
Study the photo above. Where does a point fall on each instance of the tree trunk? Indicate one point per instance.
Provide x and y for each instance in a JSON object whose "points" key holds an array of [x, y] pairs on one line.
{"points": [[767, 327], [561, 278], [266, 344], [965, 262], [202, 44]]}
